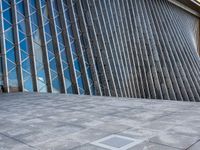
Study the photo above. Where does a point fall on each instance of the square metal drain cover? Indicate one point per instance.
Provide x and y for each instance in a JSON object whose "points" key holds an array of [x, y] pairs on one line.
{"points": [[116, 142]]}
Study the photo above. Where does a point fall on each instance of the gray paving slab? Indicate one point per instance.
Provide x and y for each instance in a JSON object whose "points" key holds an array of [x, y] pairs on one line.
{"points": [[31, 121], [175, 140], [196, 146], [152, 146]]}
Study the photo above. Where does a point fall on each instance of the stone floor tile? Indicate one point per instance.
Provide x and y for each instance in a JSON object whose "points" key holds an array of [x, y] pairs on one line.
{"points": [[196, 146], [174, 140], [151, 146]]}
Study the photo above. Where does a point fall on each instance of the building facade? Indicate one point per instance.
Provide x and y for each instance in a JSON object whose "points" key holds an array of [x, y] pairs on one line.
{"points": [[122, 48]]}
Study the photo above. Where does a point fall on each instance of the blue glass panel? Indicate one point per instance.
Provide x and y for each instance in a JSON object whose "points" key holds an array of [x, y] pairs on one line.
{"points": [[7, 15], [23, 55], [11, 55], [53, 74], [6, 25], [9, 45], [26, 65], [43, 89], [41, 75], [63, 56], [34, 18], [9, 35], [24, 45], [77, 66], [47, 28], [50, 46], [20, 7], [70, 31], [8, 1], [80, 82], [26, 75], [10, 65], [50, 55], [73, 48], [48, 37], [21, 36], [65, 65], [60, 38], [32, 9], [56, 85], [22, 26], [32, 2], [13, 82], [53, 65], [43, 2], [5, 5], [70, 90], [28, 85], [36, 37], [20, 17], [34, 27], [62, 47]]}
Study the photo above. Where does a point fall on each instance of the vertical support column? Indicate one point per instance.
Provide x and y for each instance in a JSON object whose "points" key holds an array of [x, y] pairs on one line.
{"points": [[76, 31], [89, 51], [101, 66], [3, 53], [67, 45], [199, 38], [108, 45], [30, 41], [104, 49], [44, 48], [16, 40], [116, 39], [56, 47], [162, 52]]}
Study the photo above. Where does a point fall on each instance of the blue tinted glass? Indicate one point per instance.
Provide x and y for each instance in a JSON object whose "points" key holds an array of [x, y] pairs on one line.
{"points": [[10, 65], [60, 38], [20, 17], [20, 7], [63, 56], [21, 36], [9, 45], [34, 18], [41, 75], [7, 15], [67, 74], [32, 2], [6, 25], [43, 2], [53, 65], [50, 46], [76, 63], [80, 82], [48, 37], [11, 55], [73, 48], [23, 55], [22, 26], [26, 65], [70, 31], [56, 85], [5, 5], [9, 35], [28, 85], [70, 90], [24, 45], [50, 55], [47, 29], [13, 78]]}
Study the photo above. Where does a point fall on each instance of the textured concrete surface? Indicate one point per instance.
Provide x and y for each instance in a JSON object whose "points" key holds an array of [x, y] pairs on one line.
{"points": [[30, 121]]}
